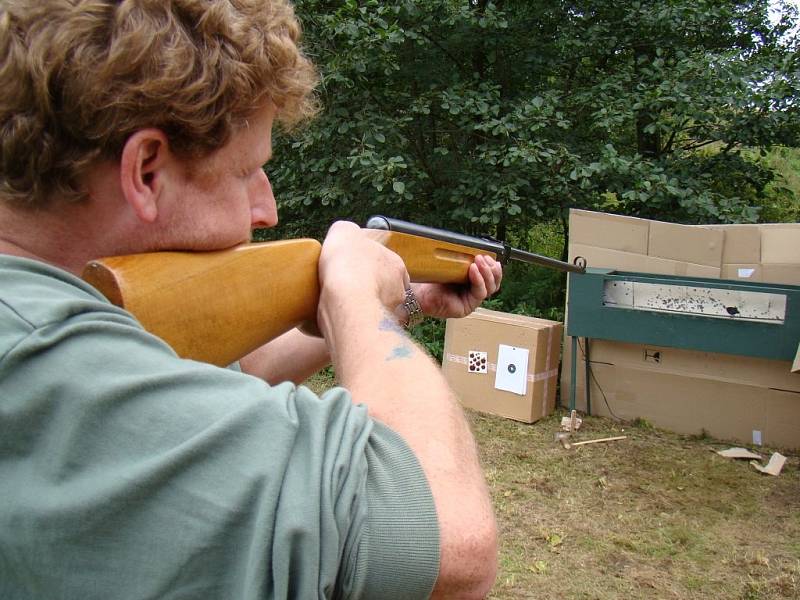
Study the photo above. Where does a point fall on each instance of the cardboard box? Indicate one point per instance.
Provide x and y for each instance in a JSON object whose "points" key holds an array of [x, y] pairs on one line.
{"points": [[727, 368], [686, 243], [627, 234], [741, 272], [638, 263], [491, 333], [777, 273], [731, 397], [780, 245], [727, 411], [742, 244]]}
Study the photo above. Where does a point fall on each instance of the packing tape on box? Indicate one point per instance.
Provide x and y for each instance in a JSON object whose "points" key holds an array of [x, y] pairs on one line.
{"points": [[546, 395], [532, 377]]}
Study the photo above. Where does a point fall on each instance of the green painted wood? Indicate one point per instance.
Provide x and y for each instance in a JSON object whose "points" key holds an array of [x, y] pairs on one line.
{"points": [[588, 317]]}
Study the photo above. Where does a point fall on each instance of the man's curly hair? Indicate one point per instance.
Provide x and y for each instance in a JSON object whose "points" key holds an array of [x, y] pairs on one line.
{"points": [[78, 77]]}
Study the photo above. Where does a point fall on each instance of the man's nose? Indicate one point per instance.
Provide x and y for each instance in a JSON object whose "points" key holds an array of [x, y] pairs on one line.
{"points": [[263, 210]]}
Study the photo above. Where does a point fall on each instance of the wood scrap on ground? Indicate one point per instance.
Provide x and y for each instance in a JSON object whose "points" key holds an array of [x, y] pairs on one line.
{"points": [[774, 466], [572, 422], [564, 439], [738, 453]]}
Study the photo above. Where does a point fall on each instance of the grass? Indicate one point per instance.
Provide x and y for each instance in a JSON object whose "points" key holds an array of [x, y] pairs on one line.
{"points": [[657, 515]]}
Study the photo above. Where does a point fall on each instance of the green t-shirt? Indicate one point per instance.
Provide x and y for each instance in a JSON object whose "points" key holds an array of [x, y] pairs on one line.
{"points": [[126, 472]]}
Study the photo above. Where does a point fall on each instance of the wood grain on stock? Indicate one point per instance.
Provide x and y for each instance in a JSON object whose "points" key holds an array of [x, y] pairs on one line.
{"points": [[218, 306], [428, 261]]}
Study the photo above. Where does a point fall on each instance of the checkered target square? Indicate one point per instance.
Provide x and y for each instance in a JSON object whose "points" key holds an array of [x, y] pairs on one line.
{"points": [[478, 362]]}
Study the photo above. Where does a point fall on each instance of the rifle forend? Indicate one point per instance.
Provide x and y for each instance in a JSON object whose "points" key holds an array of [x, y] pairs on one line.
{"points": [[500, 250]]}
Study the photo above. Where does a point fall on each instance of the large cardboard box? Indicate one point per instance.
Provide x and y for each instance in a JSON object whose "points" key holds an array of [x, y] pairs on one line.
{"points": [[781, 273], [626, 234], [639, 263], [780, 245], [692, 404], [686, 243], [503, 364], [731, 397], [742, 272], [726, 368], [742, 244]]}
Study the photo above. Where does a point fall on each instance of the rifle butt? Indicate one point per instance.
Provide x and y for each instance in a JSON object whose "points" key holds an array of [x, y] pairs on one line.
{"points": [[217, 306]]}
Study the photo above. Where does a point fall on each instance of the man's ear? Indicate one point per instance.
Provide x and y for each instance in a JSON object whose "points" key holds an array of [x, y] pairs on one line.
{"points": [[142, 171]]}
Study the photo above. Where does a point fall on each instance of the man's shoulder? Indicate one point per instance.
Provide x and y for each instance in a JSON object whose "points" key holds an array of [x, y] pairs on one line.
{"points": [[34, 295]]}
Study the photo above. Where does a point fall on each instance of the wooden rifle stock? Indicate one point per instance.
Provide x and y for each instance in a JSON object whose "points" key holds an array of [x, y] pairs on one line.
{"points": [[216, 307]]}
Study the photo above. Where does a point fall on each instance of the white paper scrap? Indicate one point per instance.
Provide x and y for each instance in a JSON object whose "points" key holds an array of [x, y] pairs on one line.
{"points": [[512, 369], [774, 466], [746, 273], [738, 453]]}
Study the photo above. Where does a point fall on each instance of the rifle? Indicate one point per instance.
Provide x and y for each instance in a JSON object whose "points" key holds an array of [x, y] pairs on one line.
{"points": [[218, 306]]}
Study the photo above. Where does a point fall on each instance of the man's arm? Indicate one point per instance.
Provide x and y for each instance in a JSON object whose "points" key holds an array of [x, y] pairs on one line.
{"points": [[403, 388], [294, 357]]}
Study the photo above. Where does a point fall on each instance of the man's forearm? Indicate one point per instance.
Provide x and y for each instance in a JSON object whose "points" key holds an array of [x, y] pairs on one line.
{"points": [[402, 387], [292, 356]]}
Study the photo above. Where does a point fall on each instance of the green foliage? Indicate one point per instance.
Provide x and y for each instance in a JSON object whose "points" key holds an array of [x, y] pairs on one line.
{"points": [[534, 291], [492, 116], [430, 333], [781, 203], [641, 423]]}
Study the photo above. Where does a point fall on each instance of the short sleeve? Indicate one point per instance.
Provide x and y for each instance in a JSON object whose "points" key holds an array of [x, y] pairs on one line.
{"points": [[130, 473]]}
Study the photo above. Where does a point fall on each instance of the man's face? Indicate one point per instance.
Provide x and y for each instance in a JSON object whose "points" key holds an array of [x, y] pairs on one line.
{"points": [[223, 197]]}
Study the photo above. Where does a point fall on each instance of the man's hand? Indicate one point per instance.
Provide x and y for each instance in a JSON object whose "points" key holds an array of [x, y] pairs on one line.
{"points": [[443, 301]]}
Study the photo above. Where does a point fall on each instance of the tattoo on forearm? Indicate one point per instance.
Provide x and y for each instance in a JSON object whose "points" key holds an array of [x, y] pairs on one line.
{"points": [[405, 349], [389, 324]]}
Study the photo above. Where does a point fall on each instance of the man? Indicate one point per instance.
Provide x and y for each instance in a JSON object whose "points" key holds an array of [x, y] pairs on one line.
{"points": [[126, 472]]}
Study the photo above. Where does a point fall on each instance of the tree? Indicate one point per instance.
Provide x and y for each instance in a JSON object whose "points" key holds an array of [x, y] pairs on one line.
{"points": [[481, 115]]}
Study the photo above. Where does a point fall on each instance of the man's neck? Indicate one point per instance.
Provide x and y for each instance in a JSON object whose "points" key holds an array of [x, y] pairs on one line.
{"points": [[14, 249], [51, 236]]}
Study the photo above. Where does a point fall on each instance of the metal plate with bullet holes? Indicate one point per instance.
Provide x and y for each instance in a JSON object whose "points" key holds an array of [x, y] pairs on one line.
{"points": [[761, 307]]}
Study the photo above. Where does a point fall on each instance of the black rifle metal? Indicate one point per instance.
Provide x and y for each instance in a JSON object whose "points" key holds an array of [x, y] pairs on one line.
{"points": [[502, 251]]}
